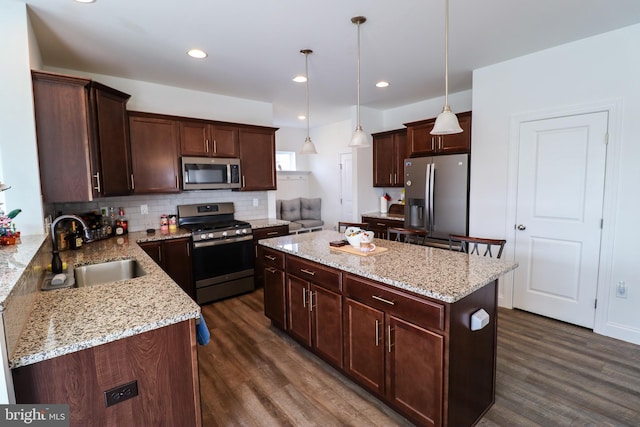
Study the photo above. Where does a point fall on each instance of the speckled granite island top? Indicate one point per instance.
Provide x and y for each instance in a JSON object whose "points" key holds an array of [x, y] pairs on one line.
{"points": [[436, 273], [68, 320]]}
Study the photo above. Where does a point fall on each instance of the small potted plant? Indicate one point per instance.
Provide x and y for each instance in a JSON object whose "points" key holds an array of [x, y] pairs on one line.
{"points": [[8, 233]]}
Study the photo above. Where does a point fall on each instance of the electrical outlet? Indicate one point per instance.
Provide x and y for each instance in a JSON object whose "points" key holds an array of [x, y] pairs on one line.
{"points": [[120, 393], [621, 290], [255, 203], [144, 209]]}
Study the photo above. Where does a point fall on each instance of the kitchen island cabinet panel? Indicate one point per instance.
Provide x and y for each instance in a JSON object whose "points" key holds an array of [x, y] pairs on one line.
{"points": [[162, 361], [364, 346], [327, 324], [299, 319], [265, 258]]}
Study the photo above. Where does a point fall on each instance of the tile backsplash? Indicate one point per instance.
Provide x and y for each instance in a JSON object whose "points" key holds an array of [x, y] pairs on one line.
{"points": [[244, 204]]}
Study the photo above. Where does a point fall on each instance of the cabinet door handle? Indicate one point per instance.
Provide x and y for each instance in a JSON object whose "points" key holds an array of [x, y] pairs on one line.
{"points": [[389, 338], [386, 301], [243, 182], [270, 269], [177, 183], [215, 146], [270, 257], [206, 145], [188, 249], [395, 178], [309, 272], [377, 333], [97, 187], [272, 233], [159, 255], [133, 183], [304, 297], [391, 178], [310, 300]]}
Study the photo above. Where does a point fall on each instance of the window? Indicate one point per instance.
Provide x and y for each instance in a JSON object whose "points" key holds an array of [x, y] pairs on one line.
{"points": [[285, 160]]}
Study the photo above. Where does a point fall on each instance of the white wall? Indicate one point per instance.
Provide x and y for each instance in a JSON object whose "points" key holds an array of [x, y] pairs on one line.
{"points": [[18, 152], [601, 69], [396, 117]]}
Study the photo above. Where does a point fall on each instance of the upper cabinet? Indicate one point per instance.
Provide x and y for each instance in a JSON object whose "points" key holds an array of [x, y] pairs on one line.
{"points": [[154, 154], [200, 138], [389, 152], [257, 158], [422, 143], [82, 135]]}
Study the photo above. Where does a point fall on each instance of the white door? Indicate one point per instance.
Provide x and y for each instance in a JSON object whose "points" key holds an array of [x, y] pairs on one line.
{"points": [[559, 212], [346, 187]]}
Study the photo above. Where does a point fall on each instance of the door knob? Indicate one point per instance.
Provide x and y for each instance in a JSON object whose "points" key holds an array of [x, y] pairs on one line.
{"points": [[522, 227]]}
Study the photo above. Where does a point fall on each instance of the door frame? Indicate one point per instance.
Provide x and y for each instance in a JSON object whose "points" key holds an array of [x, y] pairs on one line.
{"points": [[614, 109]]}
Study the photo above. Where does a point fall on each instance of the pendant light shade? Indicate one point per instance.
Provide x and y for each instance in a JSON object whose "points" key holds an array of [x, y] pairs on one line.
{"points": [[308, 147], [359, 139], [446, 122]]}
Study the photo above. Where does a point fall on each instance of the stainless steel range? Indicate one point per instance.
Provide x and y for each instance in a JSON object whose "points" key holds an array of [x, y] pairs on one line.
{"points": [[223, 255]]}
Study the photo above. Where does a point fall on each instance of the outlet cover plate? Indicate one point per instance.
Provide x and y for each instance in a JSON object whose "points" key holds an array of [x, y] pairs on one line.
{"points": [[120, 393]]}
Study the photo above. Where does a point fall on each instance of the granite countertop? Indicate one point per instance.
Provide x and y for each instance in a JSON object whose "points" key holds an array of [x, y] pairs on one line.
{"points": [[266, 222], [436, 273], [67, 320], [14, 260], [381, 215]]}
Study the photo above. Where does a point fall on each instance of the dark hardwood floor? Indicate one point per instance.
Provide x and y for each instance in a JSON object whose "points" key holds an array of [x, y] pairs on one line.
{"points": [[549, 374]]}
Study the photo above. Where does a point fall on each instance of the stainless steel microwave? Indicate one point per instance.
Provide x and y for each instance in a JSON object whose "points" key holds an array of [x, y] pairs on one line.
{"points": [[210, 173]]}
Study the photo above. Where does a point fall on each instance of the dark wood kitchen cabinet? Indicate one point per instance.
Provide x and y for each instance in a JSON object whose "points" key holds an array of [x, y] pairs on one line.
{"points": [[154, 154], [422, 143], [201, 138], [83, 138], [174, 257], [265, 233], [275, 299], [314, 308], [389, 152], [379, 225], [395, 347], [257, 150], [163, 363]]}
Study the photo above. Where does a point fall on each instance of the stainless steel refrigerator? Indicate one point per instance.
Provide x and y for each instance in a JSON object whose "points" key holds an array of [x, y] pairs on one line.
{"points": [[437, 195]]}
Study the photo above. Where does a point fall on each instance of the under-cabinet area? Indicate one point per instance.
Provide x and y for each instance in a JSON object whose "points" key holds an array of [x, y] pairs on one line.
{"points": [[404, 337]]}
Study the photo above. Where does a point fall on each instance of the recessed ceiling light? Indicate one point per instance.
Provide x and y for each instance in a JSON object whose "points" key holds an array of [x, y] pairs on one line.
{"points": [[197, 53], [299, 79], [382, 84], [86, 1], [302, 117]]}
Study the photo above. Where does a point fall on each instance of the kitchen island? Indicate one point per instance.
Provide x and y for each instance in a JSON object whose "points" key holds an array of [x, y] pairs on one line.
{"points": [[398, 322], [93, 347]]}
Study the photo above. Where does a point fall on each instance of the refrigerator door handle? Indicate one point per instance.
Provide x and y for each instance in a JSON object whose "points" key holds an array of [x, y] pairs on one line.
{"points": [[432, 177]]}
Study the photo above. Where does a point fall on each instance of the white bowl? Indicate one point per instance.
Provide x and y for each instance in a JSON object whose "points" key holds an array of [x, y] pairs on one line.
{"points": [[353, 236]]}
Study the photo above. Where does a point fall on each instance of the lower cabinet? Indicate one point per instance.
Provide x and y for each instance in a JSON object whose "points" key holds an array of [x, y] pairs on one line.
{"points": [[161, 364], [274, 286], [314, 303], [265, 233], [174, 257], [379, 226], [416, 354]]}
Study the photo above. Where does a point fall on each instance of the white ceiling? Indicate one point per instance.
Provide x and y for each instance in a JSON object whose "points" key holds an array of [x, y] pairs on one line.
{"points": [[254, 45]]}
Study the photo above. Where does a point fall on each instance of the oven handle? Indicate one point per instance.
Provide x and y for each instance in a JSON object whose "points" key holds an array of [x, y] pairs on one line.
{"points": [[217, 242]]}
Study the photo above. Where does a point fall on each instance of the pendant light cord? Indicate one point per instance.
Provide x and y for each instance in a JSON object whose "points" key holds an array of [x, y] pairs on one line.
{"points": [[358, 78], [306, 60], [446, 54]]}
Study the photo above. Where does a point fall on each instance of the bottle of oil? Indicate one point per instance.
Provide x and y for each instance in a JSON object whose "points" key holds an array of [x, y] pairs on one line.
{"points": [[75, 237]]}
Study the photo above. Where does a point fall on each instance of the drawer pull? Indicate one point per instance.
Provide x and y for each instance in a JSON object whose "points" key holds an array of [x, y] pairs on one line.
{"points": [[309, 272], [270, 269], [272, 233], [386, 301], [380, 224], [270, 257]]}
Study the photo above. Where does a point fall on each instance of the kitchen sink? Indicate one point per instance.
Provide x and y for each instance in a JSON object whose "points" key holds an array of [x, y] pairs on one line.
{"points": [[106, 272]]}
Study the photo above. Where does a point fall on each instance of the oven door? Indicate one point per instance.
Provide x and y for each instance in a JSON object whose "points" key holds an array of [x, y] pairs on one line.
{"points": [[223, 268]]}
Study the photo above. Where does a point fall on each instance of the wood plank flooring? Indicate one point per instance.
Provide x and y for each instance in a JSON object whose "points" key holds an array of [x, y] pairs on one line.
{"points": [[549, 374]]}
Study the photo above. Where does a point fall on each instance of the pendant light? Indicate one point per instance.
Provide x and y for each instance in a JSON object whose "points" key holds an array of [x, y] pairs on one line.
{"points": [[359, 138], [307, 147], [446, 122]]}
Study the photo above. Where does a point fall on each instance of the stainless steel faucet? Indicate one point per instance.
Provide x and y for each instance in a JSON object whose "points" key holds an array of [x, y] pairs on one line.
{"points": [[56, 262]]}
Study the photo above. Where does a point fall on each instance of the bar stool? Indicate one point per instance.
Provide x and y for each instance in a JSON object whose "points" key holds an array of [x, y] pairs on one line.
{"points": [[418, 237], [470, 245]]}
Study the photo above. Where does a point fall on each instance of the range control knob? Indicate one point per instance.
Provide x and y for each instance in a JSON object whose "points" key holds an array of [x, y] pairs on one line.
{"points": [[211, 235], [224, 234], [238, 232], [203, 236]]}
